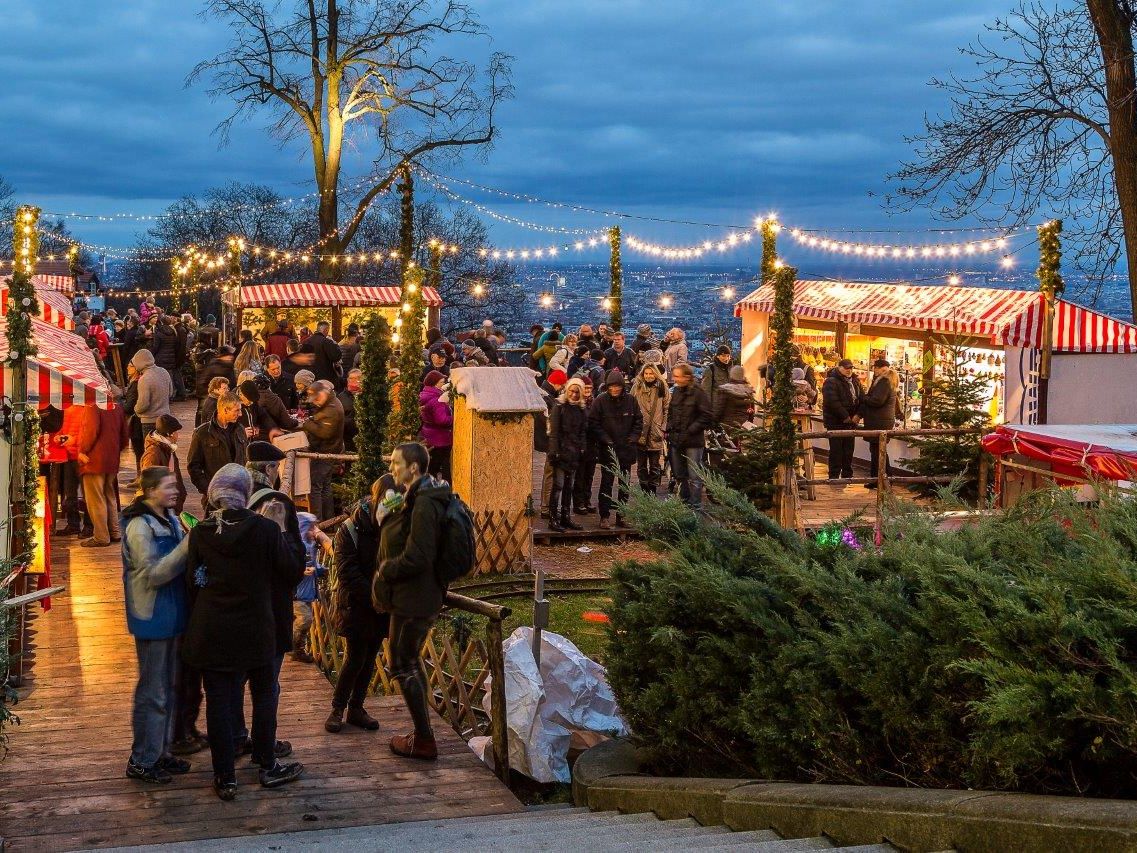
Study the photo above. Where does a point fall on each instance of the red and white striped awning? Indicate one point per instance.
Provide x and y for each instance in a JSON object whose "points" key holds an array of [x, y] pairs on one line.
{"points": [[1008, 317], [54, 307], [316, 295], [62, 373], [61, 283]]}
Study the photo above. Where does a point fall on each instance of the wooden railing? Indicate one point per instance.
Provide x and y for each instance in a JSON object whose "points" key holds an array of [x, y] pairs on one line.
{"points": [[457, 662]]}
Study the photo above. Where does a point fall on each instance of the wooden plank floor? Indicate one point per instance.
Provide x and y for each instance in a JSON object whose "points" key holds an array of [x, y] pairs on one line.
{"points": [[63, 784]]}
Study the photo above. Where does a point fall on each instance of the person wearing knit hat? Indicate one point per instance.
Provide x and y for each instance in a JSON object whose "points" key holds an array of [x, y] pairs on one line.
{"points": [[237, 559], [551, 388], [303, 380], [155, 388], [325, 435], [161, 451], [642, 340], [557, 378], [568, 429], [615, 419], [717, 373], [437, 420], [432, 379]]}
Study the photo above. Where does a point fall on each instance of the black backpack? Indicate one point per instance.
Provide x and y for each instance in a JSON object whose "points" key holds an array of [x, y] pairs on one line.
{"points": [[457, 551]]}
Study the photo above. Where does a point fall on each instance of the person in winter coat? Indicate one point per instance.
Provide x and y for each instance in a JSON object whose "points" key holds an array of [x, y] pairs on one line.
{"points": [[551, 389], [133, 424], [153, 562], [131, 339], [237, 556], [353, 387], [249, 353], [282, 384], [805, 396], [651, 393], [162, 452], [733, 404], [840, 401], [164, 346], [181, 356], [688, 417], [676, 352], [437, 420], [102, 438], [326, 354], [155, 388], [547, 350], [878, 408], [568, 433], [349, 348], [255, 420], [615, 419], [620, 357], [356, 548], [275, 411], [643, 340], [315, 541], [561, 358], [147, 309], [216, 443], [406, 586], [277, 341], [325, 435], [472, 355], [717, 373]]}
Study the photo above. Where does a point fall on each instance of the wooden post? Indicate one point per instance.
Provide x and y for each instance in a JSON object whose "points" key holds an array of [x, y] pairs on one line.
{"points": [[499, 724], [881, 471], [842, 332], [984, 469], [337, 322]]}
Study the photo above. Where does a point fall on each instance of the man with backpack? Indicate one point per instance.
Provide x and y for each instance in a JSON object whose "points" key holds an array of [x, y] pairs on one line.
{"points": [[425, 542]]}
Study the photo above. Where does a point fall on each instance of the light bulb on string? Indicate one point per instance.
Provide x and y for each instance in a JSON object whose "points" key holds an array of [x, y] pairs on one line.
{"points": [[479, 290], [606, 303], [728, 293], [953, 279], [546, 300], [666, 301], [1008, 261]]}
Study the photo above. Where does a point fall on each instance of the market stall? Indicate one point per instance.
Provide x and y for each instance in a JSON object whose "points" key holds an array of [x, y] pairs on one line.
{"points": [[250, 306], [54, 306], [1069, 455]]}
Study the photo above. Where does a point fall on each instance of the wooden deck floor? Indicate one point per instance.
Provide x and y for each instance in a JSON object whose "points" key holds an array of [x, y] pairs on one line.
{"points": [[63, 784]]}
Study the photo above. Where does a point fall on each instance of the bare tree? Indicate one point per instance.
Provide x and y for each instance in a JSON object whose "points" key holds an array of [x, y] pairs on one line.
{"points": [[7, 213], [362, 72], [1046, 126]]}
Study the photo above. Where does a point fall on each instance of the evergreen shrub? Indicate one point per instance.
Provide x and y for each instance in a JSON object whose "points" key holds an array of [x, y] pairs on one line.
{"points": [[999, 656]]}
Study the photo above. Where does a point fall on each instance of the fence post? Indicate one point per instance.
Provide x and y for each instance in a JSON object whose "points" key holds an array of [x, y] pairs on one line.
{"points": [[287, 484], [984, 474], [499, 724], [881, 471]]}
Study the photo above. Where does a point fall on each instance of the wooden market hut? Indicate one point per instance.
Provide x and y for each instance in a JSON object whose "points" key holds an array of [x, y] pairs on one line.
{"points": [[492, 460], [250, 305]]}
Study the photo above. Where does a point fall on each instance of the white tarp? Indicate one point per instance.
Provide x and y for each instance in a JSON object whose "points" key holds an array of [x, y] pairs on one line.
{"points": [[569, 694]]}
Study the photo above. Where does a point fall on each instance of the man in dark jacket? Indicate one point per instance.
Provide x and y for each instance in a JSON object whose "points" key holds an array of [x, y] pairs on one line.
{"points": [[181, 354], [326, 353], [717, 373], [688, 417], [356, 547], [616, 421], [325, 435], [644, 340], [213, 364], [274, 407], [878, 407], [620, 357], [164, 345], [282, 383], [551, 388], [217, 442], [349, 347], [406, 585], [840, 400]]}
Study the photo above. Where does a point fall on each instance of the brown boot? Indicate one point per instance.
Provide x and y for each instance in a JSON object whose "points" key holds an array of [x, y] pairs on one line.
{"points": [[361, 719], [413, 746], [334, 722]]}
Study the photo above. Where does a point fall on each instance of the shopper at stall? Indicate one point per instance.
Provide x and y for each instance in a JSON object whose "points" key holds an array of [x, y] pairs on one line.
{"points": [[688, 418], [733, 402], [103, 437], [281, 383], [616, 420], [325, 435], [651, 393], [840, 401], [878, 407], [326, 353], [277, 342], [717, 373], [162, 452]]}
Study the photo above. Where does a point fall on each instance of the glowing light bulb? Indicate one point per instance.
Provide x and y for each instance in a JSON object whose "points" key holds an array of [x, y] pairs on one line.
{"points": [[606, 304], [953, 280], [1008, 261], [546, 300], [728, 293], [479, 290], [666, 301]]}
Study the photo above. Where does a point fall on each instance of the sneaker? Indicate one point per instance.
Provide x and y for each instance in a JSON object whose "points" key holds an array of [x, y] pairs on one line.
{"points": [[188, 746], [282, 749], [412, 746], [604, 524], [176, 766], [361, 719], [155, 775], [281, 774], [92, 542], [225, 790], [585, 510], [334, 722]]}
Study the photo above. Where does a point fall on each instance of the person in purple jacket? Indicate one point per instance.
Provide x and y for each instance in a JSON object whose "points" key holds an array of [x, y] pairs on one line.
{"points": [[437, 423]]}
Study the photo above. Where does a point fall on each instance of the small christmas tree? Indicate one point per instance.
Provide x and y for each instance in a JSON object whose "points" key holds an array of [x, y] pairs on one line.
{"points": [[373, 405], [954, 400]]}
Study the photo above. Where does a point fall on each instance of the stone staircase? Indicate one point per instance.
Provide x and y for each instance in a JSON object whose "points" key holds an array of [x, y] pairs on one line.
{"points": [[539, 829]]}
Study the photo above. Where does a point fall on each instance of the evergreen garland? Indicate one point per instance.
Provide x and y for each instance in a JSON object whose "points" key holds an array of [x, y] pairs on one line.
{"points": [[769, 249], [781, 424], [616, 288], [434, 271], [404, 423], [406, 220], [1050, 259], [373, 405]]}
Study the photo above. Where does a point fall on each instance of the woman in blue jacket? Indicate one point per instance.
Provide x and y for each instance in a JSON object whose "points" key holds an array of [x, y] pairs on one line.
{"points": [[153, 559]]}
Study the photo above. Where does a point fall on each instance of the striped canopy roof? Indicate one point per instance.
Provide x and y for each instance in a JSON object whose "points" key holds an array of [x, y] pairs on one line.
{"points": [[1008, 317], [54, 307], [314, 294], [62, 373]]}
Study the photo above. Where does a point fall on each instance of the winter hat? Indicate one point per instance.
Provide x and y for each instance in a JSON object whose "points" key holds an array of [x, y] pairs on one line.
{"points": [[263, 451], [433, 378], [737, 373], [142, 360], [798, 374], [644, 330], [304, 378], [307, 522], [230, 487], [582, 350], [249, 390], [724, 349], [557, 377], [652, 356], [210, 320], [167, 425], [577, 381], [614, 377]]}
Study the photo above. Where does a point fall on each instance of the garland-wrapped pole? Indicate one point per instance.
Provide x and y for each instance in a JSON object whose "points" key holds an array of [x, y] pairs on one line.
{"points": [[24, 464], [616, 287], [781, 421], [234, 271], [770, 229], [1051, 285], [373, 406], [404, 423]]}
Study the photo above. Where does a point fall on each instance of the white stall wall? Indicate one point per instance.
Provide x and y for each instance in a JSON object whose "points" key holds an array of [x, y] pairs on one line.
{"points": [[755, 338], [1092, 389], [1020, 389]]}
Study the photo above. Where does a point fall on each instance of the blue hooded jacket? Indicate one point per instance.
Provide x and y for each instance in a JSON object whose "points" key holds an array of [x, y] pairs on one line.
{"points": [[153, 559]]}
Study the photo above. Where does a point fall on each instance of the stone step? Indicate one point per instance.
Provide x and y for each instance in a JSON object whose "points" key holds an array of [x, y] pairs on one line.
{"points": [[710, 841], [582, 837], [781, 845]]}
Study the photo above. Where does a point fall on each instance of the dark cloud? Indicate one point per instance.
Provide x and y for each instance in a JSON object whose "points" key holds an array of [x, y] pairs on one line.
{"points": [[668, 106]]}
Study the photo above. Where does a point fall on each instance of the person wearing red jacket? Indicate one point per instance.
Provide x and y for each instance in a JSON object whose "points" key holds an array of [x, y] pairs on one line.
{"points": [[102, 437], [102, 340]]}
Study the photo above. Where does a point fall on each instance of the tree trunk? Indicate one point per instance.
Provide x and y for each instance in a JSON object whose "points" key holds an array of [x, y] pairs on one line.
{"points": [[1115, 38], [407, 220]]}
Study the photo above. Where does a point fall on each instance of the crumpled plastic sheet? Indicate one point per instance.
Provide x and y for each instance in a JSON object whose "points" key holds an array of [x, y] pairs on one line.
{"points": [[570, 693]]}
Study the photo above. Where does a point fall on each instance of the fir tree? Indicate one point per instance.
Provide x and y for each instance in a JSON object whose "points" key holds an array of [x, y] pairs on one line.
{"points": [[616, 284], [373, 405], [403, 424], [954, 400]]}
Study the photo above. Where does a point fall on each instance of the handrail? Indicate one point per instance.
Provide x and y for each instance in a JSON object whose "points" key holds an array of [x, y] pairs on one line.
{"points": [[496, 612]]}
